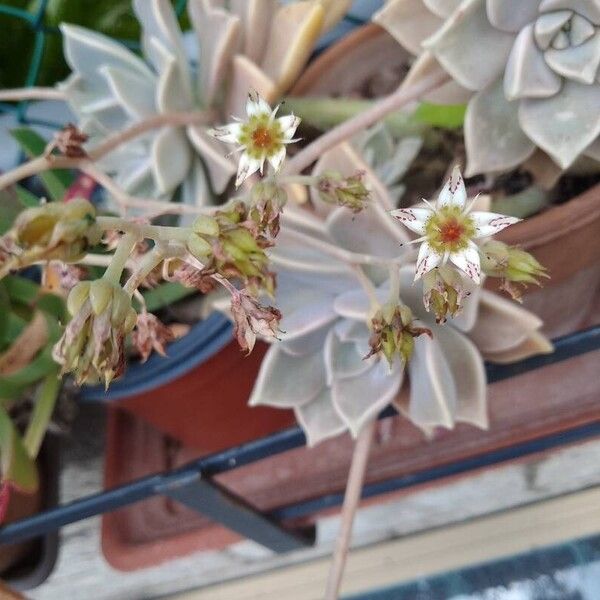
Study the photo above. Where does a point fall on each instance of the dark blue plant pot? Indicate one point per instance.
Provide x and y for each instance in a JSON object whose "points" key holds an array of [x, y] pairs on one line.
{"points": [[204, 340]]}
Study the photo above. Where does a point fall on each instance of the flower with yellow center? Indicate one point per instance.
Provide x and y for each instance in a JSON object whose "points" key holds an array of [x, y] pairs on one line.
{"points": [[449, 228], [261, 137]]}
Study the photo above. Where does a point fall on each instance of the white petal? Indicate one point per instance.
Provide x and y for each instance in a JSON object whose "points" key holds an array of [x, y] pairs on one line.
{"points": [[453, 193], [466, 28], [220, 168], [589, 9], [428, 259], [277, 159], [579, 63], [409, 21], [256, 105], [286, 381], [230, 134], [493, 135], [360, 399], [289, 124], [433, 399], [527, 75], [488, 223], [319, 419], [171, 158], [466, 365], [413, 218], [467, 260], [342, 359], [511, 15], [564, 125], [246, 167], [548, 25]]}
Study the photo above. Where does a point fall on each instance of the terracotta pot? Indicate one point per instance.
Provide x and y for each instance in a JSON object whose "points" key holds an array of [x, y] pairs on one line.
{"points": [[565, 238], [557, 398]]}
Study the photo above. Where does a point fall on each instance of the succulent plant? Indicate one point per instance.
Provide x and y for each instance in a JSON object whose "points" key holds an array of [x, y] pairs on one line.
{"points": [[255, 44], [529, 69], [319, 368]]}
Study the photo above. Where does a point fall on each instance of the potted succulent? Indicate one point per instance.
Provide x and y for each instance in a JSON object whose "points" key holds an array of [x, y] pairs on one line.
{"points": [[353, 290]]}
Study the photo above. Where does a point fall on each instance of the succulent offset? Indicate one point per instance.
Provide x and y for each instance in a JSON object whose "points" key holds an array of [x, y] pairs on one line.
{"points": [[530, 70]]}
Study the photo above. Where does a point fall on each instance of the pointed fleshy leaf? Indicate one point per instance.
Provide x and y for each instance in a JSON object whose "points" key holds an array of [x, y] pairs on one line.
{"points": [[589, 9], [466, 364], [409, 22], [171, 93], [442, 8], [564, 125], [246, 75], [218, 33], [502, 325], [171, 158], [307, 343], [465, 29], [334, 12], [255, 16], [579, 63], [527, 74], [535, 343], [134, 93], [511, 15], [348, 330], [294, 30], [360, 399], [433, 395], [220, 168], [319, 419], [195, 190], [493, 135], [548, 25], [342, 359], [354, 304], [287, 381]]}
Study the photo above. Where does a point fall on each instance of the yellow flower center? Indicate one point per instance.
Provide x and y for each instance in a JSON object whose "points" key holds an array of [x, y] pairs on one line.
{"points": [[261, 136], [449, 230]]}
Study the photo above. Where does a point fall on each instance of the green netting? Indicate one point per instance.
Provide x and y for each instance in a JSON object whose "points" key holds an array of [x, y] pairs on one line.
{"points": [[31, 44]]}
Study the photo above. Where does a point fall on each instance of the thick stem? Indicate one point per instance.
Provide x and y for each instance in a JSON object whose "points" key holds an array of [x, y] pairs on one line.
{"points": [[368, 287], [120, 257], [394, 272], [151, 232], [401, 97], [354, 486], [144, 267]]}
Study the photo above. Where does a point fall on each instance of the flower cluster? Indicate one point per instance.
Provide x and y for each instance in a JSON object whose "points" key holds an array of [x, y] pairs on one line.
{"points": [[52, 231], [92, 346]]}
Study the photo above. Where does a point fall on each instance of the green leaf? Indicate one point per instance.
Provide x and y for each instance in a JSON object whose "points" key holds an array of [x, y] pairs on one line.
{"points": [[11, 207], [53, 305], [21, 289], [166, 294], [446, 116], [41, 366], [56, 181], [45, 401], [5, 312], [26, 197], [16, 466]]}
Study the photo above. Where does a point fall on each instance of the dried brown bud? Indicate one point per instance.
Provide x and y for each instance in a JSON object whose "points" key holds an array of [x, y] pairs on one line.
{"points": [[69, 142], [151, 334]]}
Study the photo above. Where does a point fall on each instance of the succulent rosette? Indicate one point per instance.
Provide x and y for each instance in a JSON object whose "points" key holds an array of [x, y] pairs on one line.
{"points": [[318, 367], [530, 70], [257, 45]]}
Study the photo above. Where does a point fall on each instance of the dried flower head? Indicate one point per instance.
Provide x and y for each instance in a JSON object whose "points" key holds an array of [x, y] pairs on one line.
{"points": [[393, 333], [151, 334], [512, 265], [268, 200], [69, 142], [52, 231], [251, 319], [349, 192], [261, 137], [444, 291], [92, 345], [449, 228]]}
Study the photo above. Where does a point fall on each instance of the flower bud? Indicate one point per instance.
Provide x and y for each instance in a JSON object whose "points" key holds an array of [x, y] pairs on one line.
{"points": [[348, 191], [512, 265], [199, 247], [393, 332], [444, 291]]}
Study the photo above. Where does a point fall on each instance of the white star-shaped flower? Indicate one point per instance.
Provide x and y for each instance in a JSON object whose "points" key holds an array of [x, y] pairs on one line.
{"points": [[449, 228], [261, 137]]}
